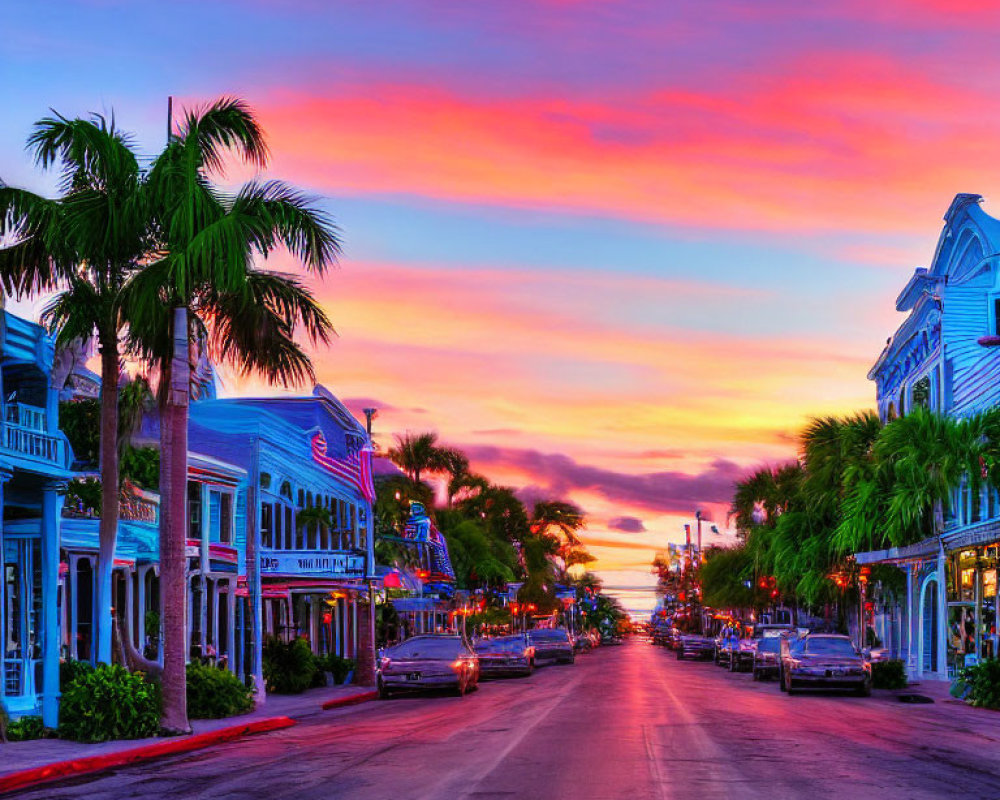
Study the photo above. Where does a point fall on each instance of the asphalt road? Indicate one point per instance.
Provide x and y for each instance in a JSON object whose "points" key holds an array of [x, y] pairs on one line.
{"points": [[627, 722]]}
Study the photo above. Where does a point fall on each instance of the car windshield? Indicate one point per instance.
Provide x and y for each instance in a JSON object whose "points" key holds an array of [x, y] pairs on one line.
{"points": [[505, 645], [550, 634], [829, 647], [427, 648], [769, 645]]}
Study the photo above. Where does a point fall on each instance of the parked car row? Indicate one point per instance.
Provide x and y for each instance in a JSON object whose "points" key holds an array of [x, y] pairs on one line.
{"points": [[799, 659], [439, 661]]}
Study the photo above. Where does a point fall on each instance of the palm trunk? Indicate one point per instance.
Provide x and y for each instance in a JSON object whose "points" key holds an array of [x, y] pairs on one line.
{"points": [[173, 531], [109, 492]]}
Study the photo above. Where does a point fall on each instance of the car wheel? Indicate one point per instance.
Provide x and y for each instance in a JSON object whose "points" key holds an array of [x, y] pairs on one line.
{"points": [[788, 683], [781, 679], [383, 692], [865, 690]]}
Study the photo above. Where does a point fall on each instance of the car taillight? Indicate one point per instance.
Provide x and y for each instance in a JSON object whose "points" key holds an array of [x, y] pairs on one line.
{"points": [[386, 662], [458, 666]]}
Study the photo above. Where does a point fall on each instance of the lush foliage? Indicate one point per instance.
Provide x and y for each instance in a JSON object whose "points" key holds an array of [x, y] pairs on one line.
{"points": [[25, 729], [81, 422], [70, 670], [724, 577], [336, 665], [983, 681], [888, 674], [492, 538], [213, 693], [141, 465], [289, 667], [109, 703]]}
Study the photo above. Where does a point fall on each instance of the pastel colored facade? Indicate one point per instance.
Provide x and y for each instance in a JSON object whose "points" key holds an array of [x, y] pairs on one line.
{"points": [[946, 357], [35, 462], [311, 553]]}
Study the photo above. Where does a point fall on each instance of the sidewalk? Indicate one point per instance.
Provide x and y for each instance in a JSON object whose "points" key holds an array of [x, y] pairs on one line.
{"points": [[25, 764]]}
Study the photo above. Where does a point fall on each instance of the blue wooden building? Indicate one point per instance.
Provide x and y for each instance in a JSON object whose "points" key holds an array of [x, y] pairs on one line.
{"points": [[946, 356], [34, 467], [310, 553]]}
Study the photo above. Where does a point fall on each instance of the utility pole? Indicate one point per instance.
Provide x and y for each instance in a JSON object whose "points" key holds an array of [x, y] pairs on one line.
{"points": [[697, 516], [370, 414]]}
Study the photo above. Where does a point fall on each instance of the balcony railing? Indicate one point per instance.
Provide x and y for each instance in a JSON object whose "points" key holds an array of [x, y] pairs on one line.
{"points": [[34, 444], [25, 416]]}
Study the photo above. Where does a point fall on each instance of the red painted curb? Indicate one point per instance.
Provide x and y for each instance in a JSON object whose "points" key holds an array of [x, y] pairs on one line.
{"points": [[354, 699], [83, 766]]}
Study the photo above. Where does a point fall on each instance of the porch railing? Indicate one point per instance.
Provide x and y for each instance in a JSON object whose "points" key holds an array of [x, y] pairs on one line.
{"points": [[34, 443]]}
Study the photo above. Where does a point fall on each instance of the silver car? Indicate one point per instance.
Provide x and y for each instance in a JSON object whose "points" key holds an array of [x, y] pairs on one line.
{"points": [[428, 662], [828, 661], [505, 655]]}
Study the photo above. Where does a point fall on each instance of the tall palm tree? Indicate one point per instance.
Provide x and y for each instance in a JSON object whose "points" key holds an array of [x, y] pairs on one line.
{"points": [[416, 453], [86, 243], [203, 284]]}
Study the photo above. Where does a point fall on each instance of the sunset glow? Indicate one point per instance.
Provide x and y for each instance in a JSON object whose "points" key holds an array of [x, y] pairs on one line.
{"points": [[617, 252]]}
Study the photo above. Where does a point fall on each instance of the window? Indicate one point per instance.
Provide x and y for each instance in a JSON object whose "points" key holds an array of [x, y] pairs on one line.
{"points": [[996, 316], [194, 510], [266, 523], [289, 523], [286, 490], [265, 480], [226, 519], [921, 393], [278, 543]]}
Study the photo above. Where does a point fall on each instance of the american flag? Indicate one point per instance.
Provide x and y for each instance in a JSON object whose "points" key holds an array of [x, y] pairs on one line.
{"points": [[356, 469]]}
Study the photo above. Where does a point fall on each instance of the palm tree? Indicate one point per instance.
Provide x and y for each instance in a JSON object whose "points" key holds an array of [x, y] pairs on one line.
{"points": [[416, 453], [202, 284], [86, 243]]}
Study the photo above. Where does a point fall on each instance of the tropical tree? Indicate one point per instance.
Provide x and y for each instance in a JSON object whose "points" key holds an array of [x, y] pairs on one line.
{"points": [[418, 453], [202, 285], [85, 244]]}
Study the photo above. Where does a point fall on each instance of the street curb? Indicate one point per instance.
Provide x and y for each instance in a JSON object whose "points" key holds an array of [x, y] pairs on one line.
{"points": [[58, 770], [353, 700]]}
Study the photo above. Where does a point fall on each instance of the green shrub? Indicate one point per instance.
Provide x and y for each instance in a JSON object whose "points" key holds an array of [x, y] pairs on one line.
{"points": [[888, 674], [25, 728], [338, 666], [289, 667], [109, 703], [213, 693], [70, 670], [983, 681]]}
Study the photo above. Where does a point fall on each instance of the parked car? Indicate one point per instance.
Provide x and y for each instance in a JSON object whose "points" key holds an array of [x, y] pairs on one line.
{"points": [[582, 642], [694, 645], [552, 645], [826, 661], [428, 662], [766, 657], [505, 656]]}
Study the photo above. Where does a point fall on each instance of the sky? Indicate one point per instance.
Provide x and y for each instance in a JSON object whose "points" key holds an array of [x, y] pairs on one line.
{"points": [[618, 252]]}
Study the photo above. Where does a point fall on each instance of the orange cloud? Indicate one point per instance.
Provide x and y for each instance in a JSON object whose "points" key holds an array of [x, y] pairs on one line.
{"points": [[835, 141]]}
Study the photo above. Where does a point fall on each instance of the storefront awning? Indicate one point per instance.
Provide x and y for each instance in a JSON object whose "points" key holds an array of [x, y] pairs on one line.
{"points": [[972, 536], [926, 548]]}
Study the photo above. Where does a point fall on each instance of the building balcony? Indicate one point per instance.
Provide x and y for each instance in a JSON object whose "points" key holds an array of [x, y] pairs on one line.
{"points": [[35, 445]]}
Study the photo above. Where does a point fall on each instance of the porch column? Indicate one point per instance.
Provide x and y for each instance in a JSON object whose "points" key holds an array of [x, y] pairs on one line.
{"points": [[231, 632], [254, 597], [139, 640], [942, 631], [5, 475], [128, 617], [910, 616], [52, 501], [364, 671]]}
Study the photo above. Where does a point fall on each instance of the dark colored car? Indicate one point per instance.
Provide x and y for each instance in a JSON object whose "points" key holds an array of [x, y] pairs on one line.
{"points": [[694, 645], [428, 662], [552, 645], [824, 661], [766, 657], [505, 656]]}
